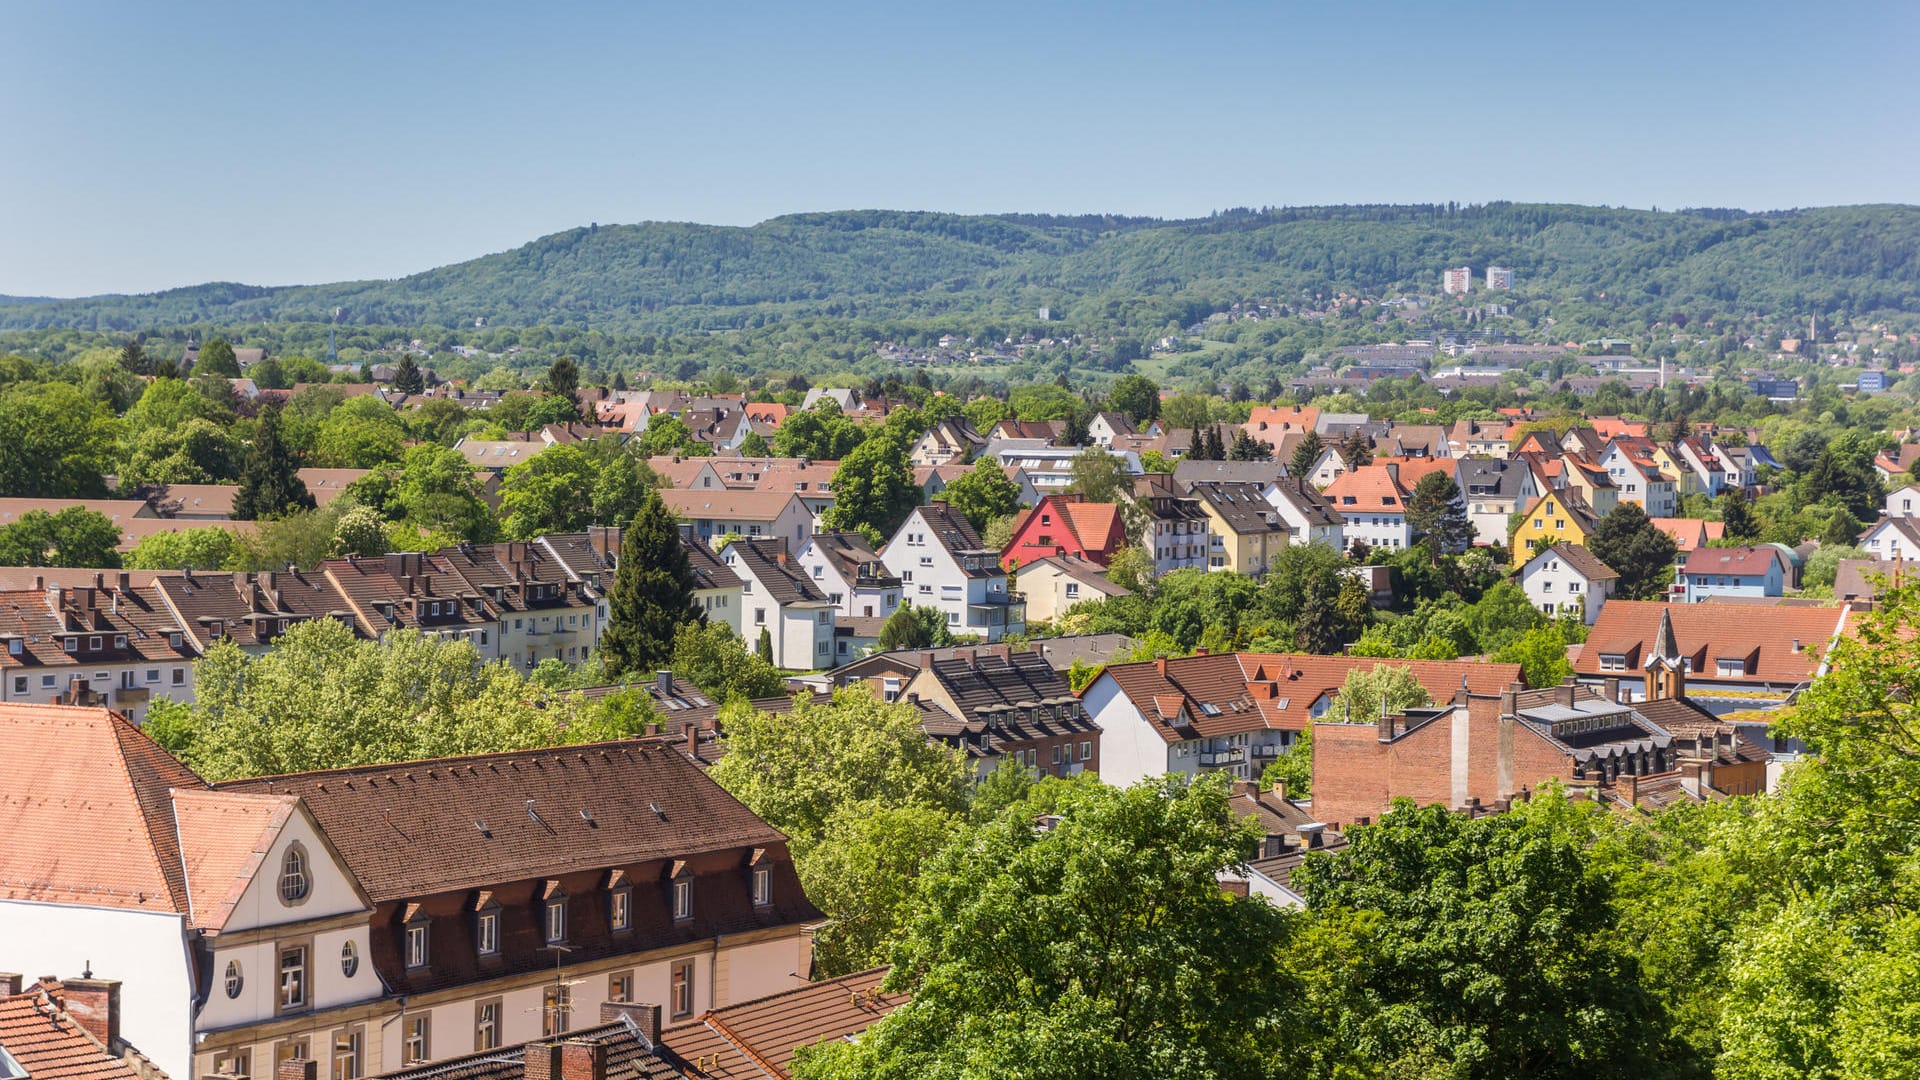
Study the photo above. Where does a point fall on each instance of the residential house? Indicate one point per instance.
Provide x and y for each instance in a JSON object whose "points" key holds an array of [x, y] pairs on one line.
{"points": [[1053, 584], [1903, 502], [717, 591], [1896, 538], [950, 441], [781, 600], [1741, 571], [851, 573], [1752, 659], [106, 642], [1236, 712], [590, 557], [1041, 432], [1106, 428], [889, 672], [1630, 462], [1065, 525], [625, 1043], [1188, 472], [1310, 517], [1373, 503], [750, 514], [1479, 439], [1896, 466], [1553, 517], [1567, 580], [1690, 533], [251, 610], [1245, 531], [1173, 525], [1865, 579], [1495, 489], [1291, 831], [411, 590], [619, 863], [1271, 423], [1001, 705], [544, 612], [1585, 477], [236, 933], [942, 563]]}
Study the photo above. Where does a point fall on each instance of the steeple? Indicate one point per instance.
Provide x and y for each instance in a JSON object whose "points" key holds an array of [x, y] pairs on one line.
{"points": [[1666, 670]]}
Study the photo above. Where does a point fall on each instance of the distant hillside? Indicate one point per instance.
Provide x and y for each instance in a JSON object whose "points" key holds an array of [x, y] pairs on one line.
{"points": [[882, 263]]}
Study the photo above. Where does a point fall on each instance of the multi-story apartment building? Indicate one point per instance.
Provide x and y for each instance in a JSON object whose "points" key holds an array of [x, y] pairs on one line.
{"points": [[105, 642], [1499, 277], [413, 590], [544, 611], [942, 563], [780, 598], [1456, 280], [1174, 527], [852, 575]]}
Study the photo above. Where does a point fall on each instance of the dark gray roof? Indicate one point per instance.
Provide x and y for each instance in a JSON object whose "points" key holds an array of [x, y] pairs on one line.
{"points": [[1241, 506], [850, 554], [1306, 499], [1493, 477], [767, 560], [1189, 473], [708, 571]]}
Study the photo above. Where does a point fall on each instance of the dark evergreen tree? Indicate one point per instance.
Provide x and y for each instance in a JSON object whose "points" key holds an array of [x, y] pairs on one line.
{"points": [[1357, 450], [619, 380], [1841, 530], [1317, 629], [1436, 512], [406, 377], [134, 358], [1737, 513], [1247, 448], [270, 484], [1076, 432], [1305, 453], [763, 648], [1642, 554], [652, 593]]}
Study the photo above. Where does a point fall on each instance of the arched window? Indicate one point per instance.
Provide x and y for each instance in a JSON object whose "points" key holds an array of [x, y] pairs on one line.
{"points": [[294, 882]]}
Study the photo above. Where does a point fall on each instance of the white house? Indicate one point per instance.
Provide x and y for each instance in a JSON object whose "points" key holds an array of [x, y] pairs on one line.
{"points": [[1495, 490], [1893, 538], [1310, 516], [717, 590], [942, 563], [1904, 502], [1566, 579], [1175, 527], [855, 580], [778, 597], [948, 442], [1374, 504], [1639, 479]]}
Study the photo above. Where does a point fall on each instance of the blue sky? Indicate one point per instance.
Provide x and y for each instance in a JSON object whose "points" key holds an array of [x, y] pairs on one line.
{"points": [[146, 146]]}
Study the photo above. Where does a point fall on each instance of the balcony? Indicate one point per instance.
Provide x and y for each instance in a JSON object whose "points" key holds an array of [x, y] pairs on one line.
{"points": [[1267, 751], [1215, 759], [132, 695]]}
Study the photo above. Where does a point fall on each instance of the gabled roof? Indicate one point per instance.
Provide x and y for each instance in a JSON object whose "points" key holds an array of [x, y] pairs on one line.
{"points": [[1690, 533], [727, 504], [1307, 501], [1240, 507], [781, 575], [951, 530], [1741, 561], [1083, 570], [1370, 488], [1764, 637], [1579, 560], [1016, 679], [1496, 478], [1188, 471], [756, 1040], [225, 837], [850, 553], [1234, 693], [415, 828], [709, 571], [1576, 509]]}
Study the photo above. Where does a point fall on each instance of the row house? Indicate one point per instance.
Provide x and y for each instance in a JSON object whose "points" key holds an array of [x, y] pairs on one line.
{"points": [[1065, 525], [810, 480], [251, 610], [717, 590], [413, 590], [102, 643], [781, 600], [942, 563], [1236, 712], [1173, 525], [543, 611], [1000, 706], [379, 917], [589, 558]]}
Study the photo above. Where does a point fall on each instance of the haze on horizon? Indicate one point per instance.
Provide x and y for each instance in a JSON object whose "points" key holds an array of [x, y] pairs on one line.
{"points": [[154, 147]]}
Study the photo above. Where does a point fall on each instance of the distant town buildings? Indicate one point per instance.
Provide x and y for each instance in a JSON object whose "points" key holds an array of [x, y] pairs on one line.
{"points": [[1457, 280], [1499, 277]]}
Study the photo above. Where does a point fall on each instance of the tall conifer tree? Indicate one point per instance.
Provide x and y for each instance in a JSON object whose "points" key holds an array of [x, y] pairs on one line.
{"points": [[652, 594], [270, 484]]}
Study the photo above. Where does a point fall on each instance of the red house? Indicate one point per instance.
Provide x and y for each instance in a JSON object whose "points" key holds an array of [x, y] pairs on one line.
{"points": [[1065, 525]]}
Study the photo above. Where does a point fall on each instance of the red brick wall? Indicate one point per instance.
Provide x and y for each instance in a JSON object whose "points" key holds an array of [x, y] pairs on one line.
{"points": [[1356, 775]]}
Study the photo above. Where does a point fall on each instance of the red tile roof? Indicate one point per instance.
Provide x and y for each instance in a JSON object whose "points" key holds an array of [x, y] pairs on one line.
{"points": [[51, 1045], [1690, 533], [1763, 636], [224, 839], [1256, 691], [1368, 488], [755, 1040]]}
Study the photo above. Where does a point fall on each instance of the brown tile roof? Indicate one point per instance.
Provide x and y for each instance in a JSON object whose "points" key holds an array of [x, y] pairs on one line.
{"points": [[1690, 533], [1257, 691], [49, 1044], [326, 485], [398, 591], [85, 810], [1584, 562], [755, 1040], [409, 829], [193, 500], [727, 504], [248, 606], [1763, 636]]}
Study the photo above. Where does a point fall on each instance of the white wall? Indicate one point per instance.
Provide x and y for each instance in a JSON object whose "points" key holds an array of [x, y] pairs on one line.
{"points": [[1130, 749], [145, 951]]}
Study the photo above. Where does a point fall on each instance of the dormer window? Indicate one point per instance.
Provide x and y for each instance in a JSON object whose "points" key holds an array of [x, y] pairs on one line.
{"points": [[762, 887], [619, 902], [486, 926], [119, 641], [556, 919], [680, 890], [417, 939], [72, 644]]}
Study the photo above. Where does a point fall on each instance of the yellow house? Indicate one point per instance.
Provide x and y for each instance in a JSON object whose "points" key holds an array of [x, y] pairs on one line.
{"points": [[1552, 518], [1590, 484], [1247, 531]]}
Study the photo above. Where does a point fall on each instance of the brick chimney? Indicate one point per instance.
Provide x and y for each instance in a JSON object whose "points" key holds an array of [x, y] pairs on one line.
{"points": [[296, 1069], [1563, 693], [9, 984], [541, 1061], [95, 1005], [645, 1016], [583, 1059], [1160, 665]]}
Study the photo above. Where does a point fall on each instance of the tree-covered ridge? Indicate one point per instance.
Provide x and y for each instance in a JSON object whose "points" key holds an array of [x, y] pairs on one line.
{"points": [[667, 275]]}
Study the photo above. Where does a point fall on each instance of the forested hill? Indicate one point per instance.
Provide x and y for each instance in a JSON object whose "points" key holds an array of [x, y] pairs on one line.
{"points": [[665, 276]]}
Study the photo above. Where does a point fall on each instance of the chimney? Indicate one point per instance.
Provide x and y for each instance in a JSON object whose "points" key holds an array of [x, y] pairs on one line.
{"points": [[693, 740], [1563, 694], [1160, 665], [95, 1005], [1311, 835], [583, 1059], [9, 984], [1280, 789], [541, 1061], [1386, 723], [663, 683], [645, 1016], [1200, 650], [306, 1069], [1612, 689]]}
